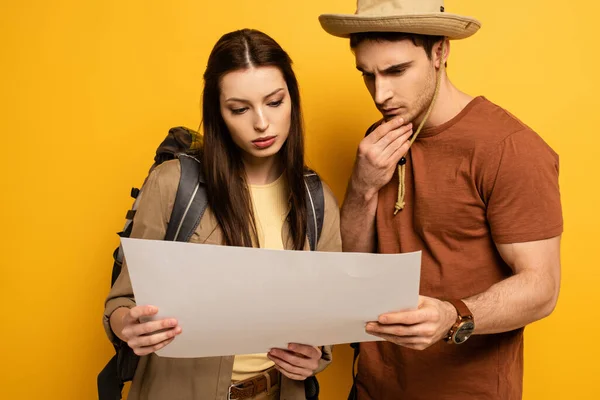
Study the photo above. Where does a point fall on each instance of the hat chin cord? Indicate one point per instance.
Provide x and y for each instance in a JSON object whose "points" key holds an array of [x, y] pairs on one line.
{"points": [[400, 202]]}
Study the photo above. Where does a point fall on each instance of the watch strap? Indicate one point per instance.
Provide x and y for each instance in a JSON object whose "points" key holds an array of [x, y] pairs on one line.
{"points": [[461, 308], [463, 314]]}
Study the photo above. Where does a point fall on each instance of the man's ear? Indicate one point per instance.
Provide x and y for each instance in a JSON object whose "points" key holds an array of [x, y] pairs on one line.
{"points": [[437, 51]]}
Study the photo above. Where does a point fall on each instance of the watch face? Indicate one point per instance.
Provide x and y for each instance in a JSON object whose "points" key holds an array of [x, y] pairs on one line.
{"points": [[464, 332]]}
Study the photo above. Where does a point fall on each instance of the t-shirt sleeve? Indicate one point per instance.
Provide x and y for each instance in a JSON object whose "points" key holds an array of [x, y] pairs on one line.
{"points": [[522, 190]]}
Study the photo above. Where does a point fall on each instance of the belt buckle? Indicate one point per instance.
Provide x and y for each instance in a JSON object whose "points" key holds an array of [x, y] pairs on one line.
{"points": [[229, 392]]}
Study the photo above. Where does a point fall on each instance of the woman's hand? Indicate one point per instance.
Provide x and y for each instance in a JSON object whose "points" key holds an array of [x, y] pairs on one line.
{"points": [[146, 337], [298, 361]]}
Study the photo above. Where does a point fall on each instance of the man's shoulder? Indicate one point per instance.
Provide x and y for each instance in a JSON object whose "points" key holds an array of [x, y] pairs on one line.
{"points": [[486, 131], [490, 123]]}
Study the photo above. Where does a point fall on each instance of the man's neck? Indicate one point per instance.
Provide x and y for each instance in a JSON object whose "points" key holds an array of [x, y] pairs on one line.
{"points": [[450, 102]]}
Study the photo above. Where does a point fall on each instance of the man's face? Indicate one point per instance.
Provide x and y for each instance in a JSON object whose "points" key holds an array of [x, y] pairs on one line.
{"points": [[399, 76]]}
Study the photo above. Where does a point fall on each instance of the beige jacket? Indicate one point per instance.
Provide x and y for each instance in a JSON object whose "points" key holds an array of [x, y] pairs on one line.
{"points": [[159, 378]]}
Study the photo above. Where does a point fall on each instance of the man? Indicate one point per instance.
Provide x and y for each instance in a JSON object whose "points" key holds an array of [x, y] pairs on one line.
{"points": [[466, 183]]}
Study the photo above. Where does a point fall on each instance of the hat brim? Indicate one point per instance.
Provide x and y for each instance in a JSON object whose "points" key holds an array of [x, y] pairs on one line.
{"points": [[451, 26]]}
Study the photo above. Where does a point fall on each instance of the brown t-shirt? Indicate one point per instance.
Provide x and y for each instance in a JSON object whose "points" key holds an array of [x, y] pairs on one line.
{"points": [[480, 178]]}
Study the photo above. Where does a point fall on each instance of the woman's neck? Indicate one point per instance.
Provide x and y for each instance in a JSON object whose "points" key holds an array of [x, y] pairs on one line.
{"points": [[262, 171]]}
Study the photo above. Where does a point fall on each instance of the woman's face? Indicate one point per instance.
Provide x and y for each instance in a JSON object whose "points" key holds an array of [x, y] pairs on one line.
{"points": [[256, 107]]}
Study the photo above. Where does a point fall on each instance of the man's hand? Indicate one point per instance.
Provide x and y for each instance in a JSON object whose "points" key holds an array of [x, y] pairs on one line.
{"points": [[376, 160], [416, 329], [378, 156]]}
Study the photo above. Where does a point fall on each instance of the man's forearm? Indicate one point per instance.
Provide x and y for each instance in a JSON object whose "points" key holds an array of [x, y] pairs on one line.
{"points": [[357, 221], [513, 303]]}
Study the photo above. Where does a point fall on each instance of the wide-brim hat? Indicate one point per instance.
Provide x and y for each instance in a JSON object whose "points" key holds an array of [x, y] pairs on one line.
{"points": [[423, 17]]}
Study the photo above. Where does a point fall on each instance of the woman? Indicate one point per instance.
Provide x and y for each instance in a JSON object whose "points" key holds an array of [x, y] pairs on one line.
{"points": [[253, 164]]}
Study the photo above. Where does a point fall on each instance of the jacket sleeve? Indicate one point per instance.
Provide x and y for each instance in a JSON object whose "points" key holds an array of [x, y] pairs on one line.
{"points": [[330, 239], [149, 222]]}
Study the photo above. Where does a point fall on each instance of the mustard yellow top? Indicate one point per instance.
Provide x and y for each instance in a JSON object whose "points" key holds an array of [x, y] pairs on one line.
{"points": [[270, 211]]}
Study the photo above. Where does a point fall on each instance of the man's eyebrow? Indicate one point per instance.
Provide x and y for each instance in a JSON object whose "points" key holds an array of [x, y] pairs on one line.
{"points": [[398, 67], [392, 68]]}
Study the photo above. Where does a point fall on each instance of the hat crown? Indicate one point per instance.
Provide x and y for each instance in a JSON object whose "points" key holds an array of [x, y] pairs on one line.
{"points": [[398, 7]]}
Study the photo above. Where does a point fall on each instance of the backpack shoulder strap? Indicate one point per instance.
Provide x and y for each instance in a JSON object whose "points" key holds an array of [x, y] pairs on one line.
{"points": [[190, 202], [315, 205], [356, 347]]}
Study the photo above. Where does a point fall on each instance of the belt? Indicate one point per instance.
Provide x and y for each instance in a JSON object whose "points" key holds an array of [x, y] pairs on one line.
{"points": [[249, 388]]}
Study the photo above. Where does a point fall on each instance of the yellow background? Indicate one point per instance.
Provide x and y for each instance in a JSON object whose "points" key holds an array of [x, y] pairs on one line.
{"points": [[89, 88]]}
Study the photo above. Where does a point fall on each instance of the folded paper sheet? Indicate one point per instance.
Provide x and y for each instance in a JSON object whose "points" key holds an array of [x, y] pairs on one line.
{"points": [[232, 300]]}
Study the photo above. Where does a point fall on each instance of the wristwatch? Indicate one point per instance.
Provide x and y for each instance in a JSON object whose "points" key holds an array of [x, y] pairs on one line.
{"points": [[463, 327]]}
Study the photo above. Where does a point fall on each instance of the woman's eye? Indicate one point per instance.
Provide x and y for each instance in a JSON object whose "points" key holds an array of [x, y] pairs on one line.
{"points": [[239, 111], [275, 103]]}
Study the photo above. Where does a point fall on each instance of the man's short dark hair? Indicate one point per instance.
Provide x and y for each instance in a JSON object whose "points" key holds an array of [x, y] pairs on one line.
{"points": [[425, 41]]}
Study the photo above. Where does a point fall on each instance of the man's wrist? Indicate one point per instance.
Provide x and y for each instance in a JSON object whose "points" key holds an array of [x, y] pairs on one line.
{"points": [[451, 316], [463, 327], [363, 193]]}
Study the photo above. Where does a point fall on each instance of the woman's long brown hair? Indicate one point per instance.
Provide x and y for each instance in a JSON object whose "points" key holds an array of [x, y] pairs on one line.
{"points": [[227, 187]]}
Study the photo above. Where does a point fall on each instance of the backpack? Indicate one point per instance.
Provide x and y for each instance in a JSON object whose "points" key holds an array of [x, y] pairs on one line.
{"points": [[190, 203], [353, 395]]}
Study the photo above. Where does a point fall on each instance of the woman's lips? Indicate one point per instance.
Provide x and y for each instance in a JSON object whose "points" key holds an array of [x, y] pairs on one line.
{"points": [[264, 142]]}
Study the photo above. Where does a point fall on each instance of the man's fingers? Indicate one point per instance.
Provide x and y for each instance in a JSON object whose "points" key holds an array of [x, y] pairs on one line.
{"points": [[394, 159], [378, 154], [384, 129], [422, 313], [398, 148], [391, 138], [401, 331], [406, 317]]}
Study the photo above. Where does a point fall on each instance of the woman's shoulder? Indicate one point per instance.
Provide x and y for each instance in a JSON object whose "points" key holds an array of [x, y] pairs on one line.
{"points": [[163, 181], [329, 196], [168, 170]]}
